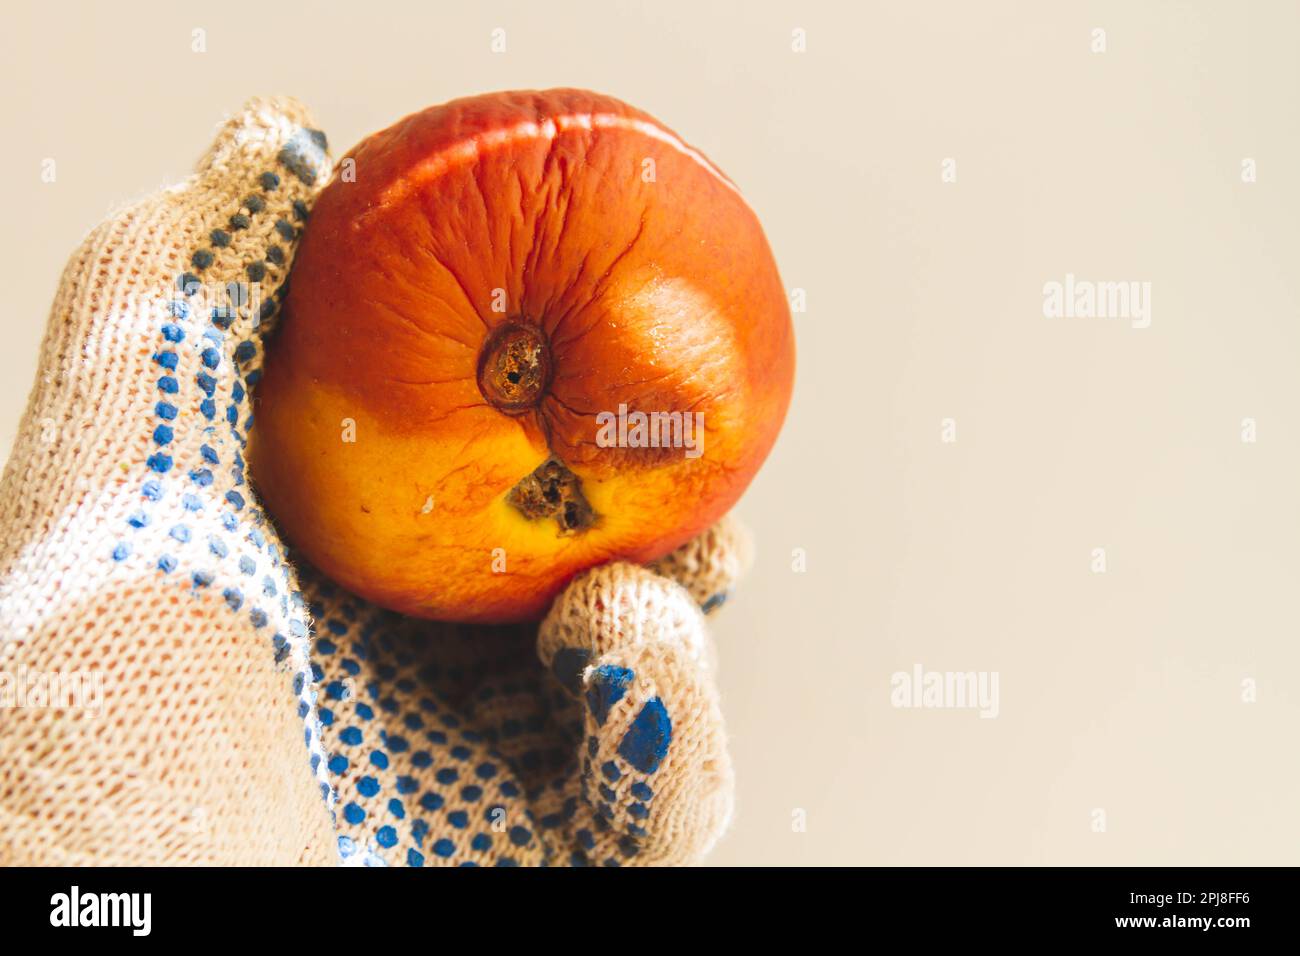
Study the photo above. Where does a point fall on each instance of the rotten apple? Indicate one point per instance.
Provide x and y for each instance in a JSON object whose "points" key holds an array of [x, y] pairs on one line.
{"points": [[533, 332]]}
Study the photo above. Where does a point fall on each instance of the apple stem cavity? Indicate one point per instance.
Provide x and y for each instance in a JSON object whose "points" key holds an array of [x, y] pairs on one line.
{"points": [[514, 367], [553, 491]]}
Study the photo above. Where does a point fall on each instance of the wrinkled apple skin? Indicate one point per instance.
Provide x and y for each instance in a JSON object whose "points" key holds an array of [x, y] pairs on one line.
{"points": [[646, 273]]}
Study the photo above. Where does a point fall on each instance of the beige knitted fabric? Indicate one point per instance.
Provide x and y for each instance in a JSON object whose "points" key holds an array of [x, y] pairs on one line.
{"points": [[709, 564], [161, 697], [196, 752]]}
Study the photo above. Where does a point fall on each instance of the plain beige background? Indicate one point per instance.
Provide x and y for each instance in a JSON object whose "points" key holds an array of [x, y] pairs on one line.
{"points": [[1119, 691]]}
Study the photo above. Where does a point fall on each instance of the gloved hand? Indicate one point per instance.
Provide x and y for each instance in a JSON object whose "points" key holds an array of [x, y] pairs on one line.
{"points": [[450, 744], [132, 551]]}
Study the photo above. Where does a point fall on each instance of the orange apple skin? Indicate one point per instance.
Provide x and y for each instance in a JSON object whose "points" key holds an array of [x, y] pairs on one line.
{"points": [[651, 280]]}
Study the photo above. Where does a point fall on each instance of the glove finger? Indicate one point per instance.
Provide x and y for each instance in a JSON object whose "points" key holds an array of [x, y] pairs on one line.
{"points": [[656, 786], [242, 215], [265, 132], [709, 565], [617, 606], [128, 478]]}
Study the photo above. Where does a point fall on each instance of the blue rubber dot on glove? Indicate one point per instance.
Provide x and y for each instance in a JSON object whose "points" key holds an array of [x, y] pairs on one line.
{"points": [[608, 686], [304, 156], [646, 742], [714, 602]]}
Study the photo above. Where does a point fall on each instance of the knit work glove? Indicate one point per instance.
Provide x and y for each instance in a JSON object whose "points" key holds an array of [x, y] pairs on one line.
{"points": [[451, 745], [137, 569]]}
